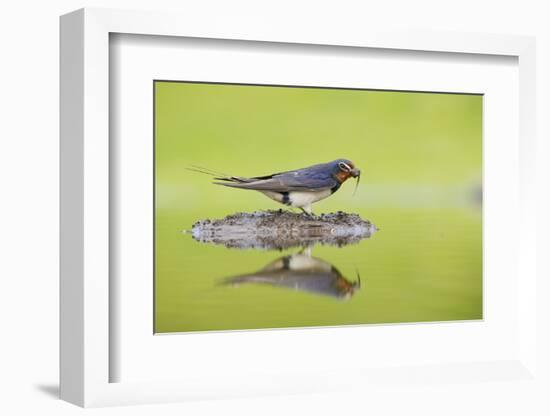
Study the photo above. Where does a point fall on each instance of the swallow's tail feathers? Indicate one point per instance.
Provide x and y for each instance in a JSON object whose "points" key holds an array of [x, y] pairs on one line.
{"points": [[205, 171], [234, 183], [253, 184], [218, 176], [233, 179]]}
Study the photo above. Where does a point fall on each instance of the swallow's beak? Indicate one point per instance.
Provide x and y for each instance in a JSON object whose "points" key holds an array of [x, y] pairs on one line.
{"points": [[356, 173]]}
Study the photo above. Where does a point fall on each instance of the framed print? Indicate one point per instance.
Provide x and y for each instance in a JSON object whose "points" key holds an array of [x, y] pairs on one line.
{"points": [[361, 184]]}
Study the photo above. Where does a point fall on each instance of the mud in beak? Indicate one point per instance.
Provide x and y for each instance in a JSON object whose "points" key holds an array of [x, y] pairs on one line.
{"points": [[356, 173]]}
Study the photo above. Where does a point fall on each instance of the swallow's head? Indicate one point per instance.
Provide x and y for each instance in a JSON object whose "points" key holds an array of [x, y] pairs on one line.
{"points": [[343, 169]]}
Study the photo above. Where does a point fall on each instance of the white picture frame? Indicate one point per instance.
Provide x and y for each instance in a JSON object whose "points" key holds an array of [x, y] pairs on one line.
{"points": [[85, 219]]}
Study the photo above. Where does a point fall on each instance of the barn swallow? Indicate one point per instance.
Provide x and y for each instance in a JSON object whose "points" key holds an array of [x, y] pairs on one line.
{"points": [[301, 272], [298, 188]]}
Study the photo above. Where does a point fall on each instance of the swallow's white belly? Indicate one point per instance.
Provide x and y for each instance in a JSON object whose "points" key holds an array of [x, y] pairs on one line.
{"points": [[299, 199], [304, 199]]}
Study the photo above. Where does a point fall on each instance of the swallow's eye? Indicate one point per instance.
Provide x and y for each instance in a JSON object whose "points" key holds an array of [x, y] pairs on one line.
{"points": [[344, 166]]}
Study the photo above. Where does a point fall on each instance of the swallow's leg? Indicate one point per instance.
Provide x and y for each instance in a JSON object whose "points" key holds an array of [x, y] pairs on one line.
{"points": [[308, 213], [307, 210]]}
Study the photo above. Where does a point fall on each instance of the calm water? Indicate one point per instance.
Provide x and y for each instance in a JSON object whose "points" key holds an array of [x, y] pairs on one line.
{"points": [[424, 264]]}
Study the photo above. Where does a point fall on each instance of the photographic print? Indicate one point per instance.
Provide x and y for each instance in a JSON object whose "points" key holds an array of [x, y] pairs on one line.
{"points": [[290, 206]]}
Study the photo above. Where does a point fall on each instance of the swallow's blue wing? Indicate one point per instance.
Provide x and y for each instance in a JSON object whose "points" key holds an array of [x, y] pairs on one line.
{"points": [[313, 178], [300, 180]]}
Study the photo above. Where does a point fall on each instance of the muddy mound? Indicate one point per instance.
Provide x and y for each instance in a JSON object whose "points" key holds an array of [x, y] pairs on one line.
{"points": [[282, 229]]}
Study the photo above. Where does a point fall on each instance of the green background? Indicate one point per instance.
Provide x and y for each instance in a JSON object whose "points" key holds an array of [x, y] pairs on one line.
{"points": [[421, 161]]}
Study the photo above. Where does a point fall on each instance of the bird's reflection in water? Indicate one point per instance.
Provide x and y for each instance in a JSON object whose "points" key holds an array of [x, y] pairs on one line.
{"points": [[301, 272]]}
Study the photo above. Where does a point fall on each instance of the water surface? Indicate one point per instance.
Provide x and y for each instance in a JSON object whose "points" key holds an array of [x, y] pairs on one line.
{"points": [[422, 265]]}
